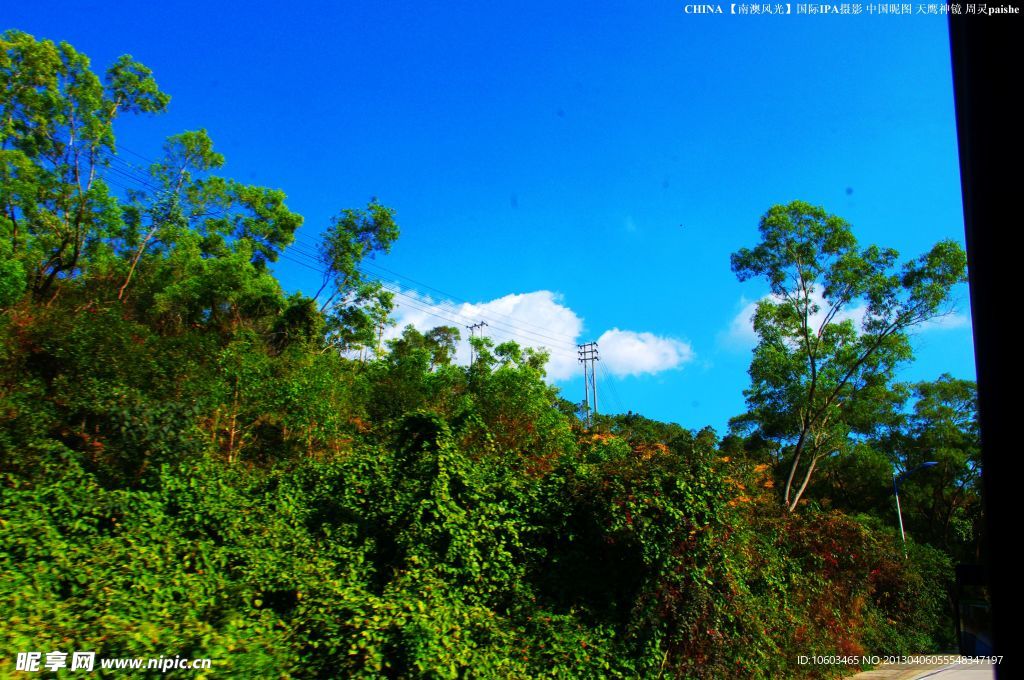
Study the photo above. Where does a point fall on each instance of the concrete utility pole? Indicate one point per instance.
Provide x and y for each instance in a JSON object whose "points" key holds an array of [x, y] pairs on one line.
{"points": [[588, 355], [472, 333], [896, 481]]}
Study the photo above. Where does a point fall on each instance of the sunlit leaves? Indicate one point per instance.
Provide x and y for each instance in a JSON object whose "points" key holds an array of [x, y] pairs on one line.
{"points": [[56, 134], [834, 329]]}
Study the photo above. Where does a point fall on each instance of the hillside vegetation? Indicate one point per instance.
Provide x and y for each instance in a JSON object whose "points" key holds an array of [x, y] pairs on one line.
{"points": [[195, 462]]}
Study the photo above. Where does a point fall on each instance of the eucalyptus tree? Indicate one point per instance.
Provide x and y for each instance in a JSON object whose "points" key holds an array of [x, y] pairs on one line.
{"points": [[205, 240], [358, 307], [71, 208], [57, 212], [832, 332]]}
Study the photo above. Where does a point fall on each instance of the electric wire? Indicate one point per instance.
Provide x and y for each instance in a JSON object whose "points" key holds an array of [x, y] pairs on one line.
{"points": [[446, 295], [513, 325], [301, 252], [509, 328], [610, 382]]}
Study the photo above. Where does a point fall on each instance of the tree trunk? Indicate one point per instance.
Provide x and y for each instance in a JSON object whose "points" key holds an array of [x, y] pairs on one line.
{"points": [[807, 479], [232, 429], [797, 452]]}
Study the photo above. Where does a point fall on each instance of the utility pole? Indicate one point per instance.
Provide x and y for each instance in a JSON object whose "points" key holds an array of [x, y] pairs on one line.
{"points": [[472, 333], [588, 355], [896, 492]]}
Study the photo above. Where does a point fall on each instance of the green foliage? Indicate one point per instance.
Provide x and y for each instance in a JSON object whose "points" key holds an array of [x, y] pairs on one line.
{"points": [[12, 276], [57, 129], [817, 378], [353, 236], [358, 308], [939, 423], [192, 462]]}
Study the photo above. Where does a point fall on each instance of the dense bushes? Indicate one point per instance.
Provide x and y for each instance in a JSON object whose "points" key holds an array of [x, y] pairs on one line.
{"points": [[417, 558], [194, 463], [214, 491]]}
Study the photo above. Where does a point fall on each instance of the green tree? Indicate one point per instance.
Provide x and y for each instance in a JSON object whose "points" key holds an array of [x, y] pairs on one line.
{"points": [[357, 306], [203, 242], [57, 213], [439, 342], [941, 504], [832, 332]]}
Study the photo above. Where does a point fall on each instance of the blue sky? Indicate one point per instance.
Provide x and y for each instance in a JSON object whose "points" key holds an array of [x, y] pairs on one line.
{"points": [[573, 171]]}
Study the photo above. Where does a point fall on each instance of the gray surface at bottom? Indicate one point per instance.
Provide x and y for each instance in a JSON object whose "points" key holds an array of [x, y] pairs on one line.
{"points": [[955, 671]]}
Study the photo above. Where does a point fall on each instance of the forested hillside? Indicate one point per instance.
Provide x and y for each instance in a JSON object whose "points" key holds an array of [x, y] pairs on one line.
{"points": [[196, 462]]}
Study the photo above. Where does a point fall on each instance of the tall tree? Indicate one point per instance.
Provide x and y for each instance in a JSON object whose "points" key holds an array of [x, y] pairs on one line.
{"points": [[832, 332], [56, 134], [204, 240], [439, 343], [357, 306], [943, 502]]}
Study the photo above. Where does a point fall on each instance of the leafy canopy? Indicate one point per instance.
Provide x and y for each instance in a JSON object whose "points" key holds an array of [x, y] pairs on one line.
{"points": [[833, 330]]}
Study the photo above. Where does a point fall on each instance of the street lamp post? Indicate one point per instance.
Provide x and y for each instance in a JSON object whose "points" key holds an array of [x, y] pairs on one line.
{"points": [[896, 491]]}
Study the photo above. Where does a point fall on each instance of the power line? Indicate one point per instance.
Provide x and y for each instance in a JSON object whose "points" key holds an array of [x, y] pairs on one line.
{"points": [[479, 325], [491, 314], [511, 328], [413, 304], [143, 174], [610, 382], [462, 315], [134, 153]]}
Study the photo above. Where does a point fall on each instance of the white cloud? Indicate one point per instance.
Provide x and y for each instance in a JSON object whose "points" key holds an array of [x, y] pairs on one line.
{"points": [[541, 320], [537, 319], [740, 333], [632, 353]]}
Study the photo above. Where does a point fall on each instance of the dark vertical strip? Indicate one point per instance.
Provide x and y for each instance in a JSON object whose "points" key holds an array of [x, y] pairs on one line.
{"points": [[986, 55]]}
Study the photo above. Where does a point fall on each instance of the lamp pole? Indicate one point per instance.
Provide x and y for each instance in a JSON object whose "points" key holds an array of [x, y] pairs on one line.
{"points": [[896, 491]]}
